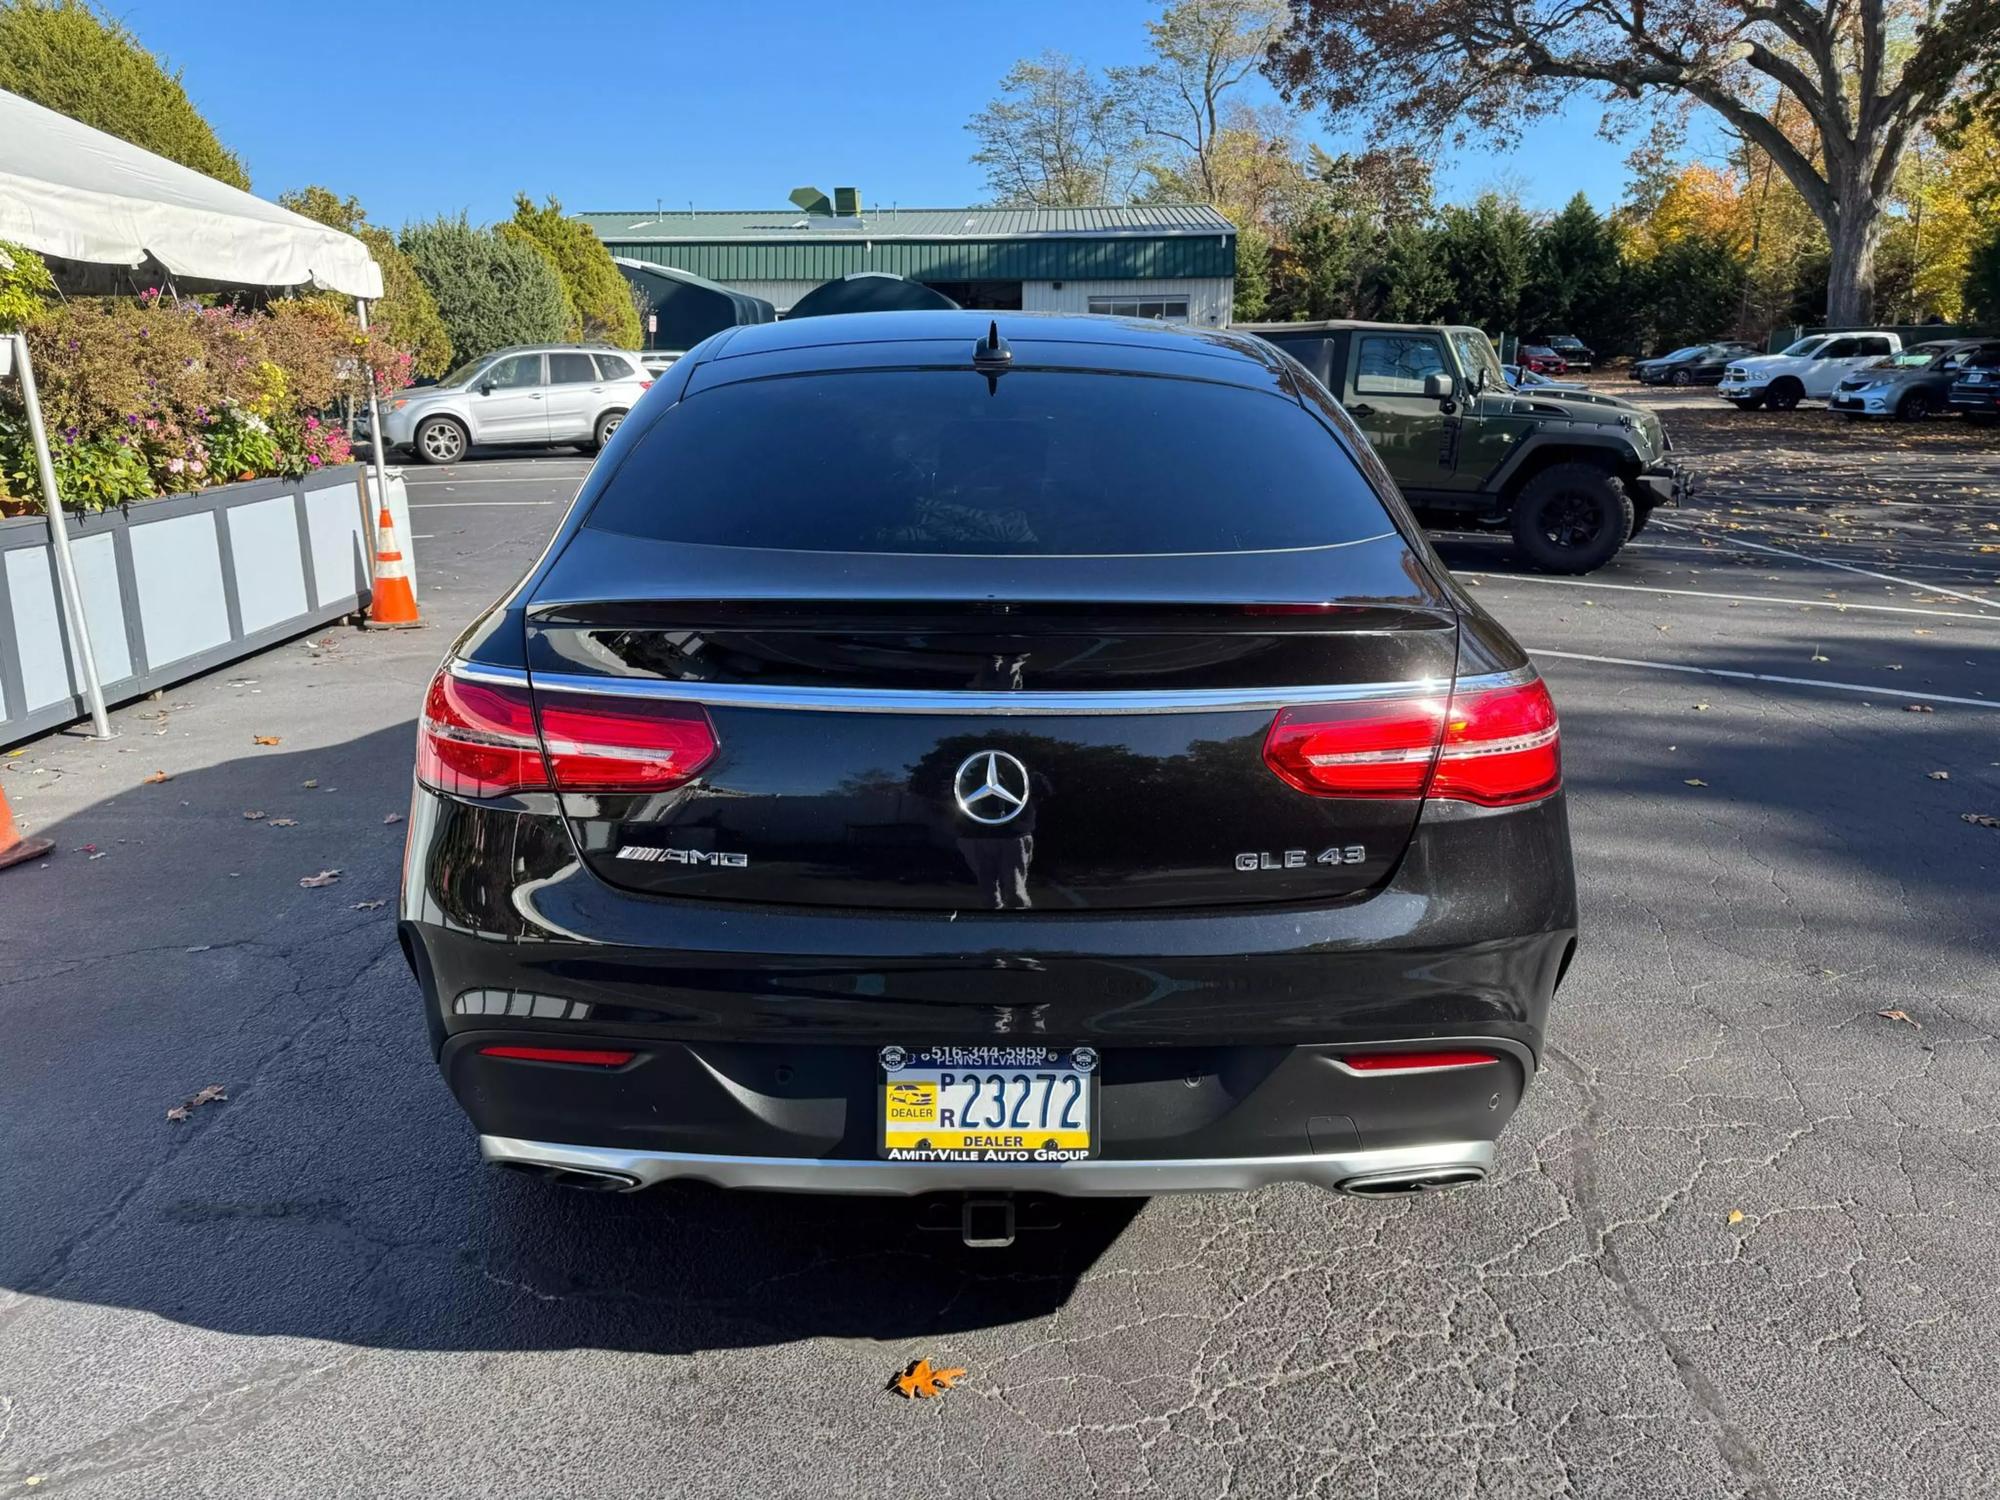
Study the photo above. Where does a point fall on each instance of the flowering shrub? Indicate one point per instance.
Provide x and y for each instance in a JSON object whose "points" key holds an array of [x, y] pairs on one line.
{"points": [[306, 443], [159, 395], [241, 445]]}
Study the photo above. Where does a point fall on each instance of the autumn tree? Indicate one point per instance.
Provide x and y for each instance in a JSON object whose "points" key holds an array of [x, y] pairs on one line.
{"points": [[1865, 75], [1059, 136], [406, 314], [1203, 50]]}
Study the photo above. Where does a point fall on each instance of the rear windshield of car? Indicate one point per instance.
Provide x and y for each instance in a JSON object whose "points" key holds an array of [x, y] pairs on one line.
{"points": [[1034, 462]]}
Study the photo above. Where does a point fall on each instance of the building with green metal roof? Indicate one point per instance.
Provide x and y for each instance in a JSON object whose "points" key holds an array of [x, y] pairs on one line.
{"points": [[1171, 261]]}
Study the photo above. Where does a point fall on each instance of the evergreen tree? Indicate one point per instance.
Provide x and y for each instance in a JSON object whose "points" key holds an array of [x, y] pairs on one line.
{"points": [[1485, 249], [1693, 290], [490, 291], [1253, 275], [603, 309], [1575, 278], [64, 56]]}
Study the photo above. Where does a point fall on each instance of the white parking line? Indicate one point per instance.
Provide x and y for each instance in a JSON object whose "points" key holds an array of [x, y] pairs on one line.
{"points": [[512, 479], [1898, 692], [465, 504], [1637, 588], [1722, 549], [1827, 562]]}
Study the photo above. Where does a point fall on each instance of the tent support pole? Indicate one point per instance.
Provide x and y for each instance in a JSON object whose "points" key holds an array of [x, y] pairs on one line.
{"points": [[72, 596], [375, 440]]}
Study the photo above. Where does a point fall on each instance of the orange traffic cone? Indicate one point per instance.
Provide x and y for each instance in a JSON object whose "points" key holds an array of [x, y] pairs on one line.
{"points": [[15, 849], [394, 605]]}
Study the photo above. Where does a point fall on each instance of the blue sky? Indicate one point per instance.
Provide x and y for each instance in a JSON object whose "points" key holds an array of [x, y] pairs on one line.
{"points": [[425, 106]]}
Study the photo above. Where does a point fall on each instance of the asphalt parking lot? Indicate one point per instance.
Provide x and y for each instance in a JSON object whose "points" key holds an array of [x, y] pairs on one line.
{"points": [[1744, 1238]]}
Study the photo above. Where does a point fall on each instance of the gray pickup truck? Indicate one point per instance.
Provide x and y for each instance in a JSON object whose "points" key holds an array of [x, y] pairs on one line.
{"points": [[1572, 477]]}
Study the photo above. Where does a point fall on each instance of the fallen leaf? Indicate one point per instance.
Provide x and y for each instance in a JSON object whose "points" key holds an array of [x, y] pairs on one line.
{"points": [[309, 785], [284, 822], [1940, 776], [178, 1112], [1899, 1015], [156, 778], [1977, 820], [364, 906], [1918, 708], [1923, 632], [1818, 657], [265, 739], [922, 1382], [392, 817], [1696, 781], [1736, 1216], [325, 877], [252, 817], [1701, 708]]}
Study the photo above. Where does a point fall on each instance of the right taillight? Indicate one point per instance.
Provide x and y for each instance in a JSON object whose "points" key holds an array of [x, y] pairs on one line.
{"points": [[1501, 746], [1496, 746]]}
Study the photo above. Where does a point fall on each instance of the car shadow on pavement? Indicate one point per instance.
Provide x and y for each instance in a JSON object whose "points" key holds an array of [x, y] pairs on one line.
{"points": [[336, 1192]]}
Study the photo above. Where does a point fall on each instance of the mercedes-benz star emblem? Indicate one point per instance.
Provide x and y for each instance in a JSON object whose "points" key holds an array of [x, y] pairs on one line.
{"points": [[991, 787]]}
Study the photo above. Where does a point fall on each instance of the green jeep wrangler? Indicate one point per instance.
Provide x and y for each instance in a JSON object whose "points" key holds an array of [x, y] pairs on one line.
{"points": [[1571, 474]]}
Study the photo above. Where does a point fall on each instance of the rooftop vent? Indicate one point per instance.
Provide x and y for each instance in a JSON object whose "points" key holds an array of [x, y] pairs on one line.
{"points": [[847, 202], [810, 200]]}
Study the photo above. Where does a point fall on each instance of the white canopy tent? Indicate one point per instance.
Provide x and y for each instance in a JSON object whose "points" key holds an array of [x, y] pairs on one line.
{"points": [[95, 204], [70, 191]]}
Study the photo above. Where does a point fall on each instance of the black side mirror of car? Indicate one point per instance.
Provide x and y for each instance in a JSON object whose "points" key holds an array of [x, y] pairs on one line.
{"points": [[485, 387]]}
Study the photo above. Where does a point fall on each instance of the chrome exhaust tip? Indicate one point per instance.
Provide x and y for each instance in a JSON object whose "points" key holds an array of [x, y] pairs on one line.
{"points": [[580, 1178], [1403, 1184]]}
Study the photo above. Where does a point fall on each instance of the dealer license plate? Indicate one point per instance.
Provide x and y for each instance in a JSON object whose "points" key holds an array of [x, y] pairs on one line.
{"points": [[1004, 1103]]}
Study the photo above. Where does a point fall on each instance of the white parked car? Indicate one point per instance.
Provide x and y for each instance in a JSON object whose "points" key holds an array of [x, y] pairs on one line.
{"points": [[1806, 371], [543, 397]]}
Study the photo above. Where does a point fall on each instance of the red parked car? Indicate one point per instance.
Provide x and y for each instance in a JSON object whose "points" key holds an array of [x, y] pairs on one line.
{"points": [[1542, 360]]}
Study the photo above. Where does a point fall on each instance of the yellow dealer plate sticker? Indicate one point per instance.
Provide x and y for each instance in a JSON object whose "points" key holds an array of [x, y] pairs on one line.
{"points": [[988, 1104]]}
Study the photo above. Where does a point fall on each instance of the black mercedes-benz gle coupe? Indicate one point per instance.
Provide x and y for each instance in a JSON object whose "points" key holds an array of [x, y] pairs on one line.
{"points": [[986, 755]]}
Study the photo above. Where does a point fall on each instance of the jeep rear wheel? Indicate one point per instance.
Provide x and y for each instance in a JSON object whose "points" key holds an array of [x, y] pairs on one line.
{"points": [[1572, 518]]}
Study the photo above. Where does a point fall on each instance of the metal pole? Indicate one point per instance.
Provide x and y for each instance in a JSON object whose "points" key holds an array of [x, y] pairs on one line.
{"points": [[375, 438], [79, 628]]}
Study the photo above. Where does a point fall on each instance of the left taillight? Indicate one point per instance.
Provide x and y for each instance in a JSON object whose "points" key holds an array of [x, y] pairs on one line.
{"points": [[477, 739], [483, 738]]}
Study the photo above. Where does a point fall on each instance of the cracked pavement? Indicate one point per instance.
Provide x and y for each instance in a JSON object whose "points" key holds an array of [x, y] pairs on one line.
{"points": [[1744, 1239]]}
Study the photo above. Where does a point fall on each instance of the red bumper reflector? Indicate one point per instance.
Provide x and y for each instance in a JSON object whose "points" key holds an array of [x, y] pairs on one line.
{"points": [[588, 1056], [1415, 1062]]}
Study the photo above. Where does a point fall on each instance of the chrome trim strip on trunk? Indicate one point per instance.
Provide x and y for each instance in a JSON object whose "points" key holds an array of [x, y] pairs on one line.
{"points": [[1096, 1176], [927, 701]]}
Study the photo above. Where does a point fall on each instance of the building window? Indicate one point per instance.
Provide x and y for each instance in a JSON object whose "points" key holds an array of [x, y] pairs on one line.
{"points": [[1160, 309]]}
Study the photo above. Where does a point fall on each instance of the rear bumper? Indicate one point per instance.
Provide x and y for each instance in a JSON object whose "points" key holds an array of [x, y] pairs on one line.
{"points": [[756, 1029], [1396, 1169]]}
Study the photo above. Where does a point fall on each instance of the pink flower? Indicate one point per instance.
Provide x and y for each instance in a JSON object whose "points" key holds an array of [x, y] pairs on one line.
{"points": [[176, 465]]}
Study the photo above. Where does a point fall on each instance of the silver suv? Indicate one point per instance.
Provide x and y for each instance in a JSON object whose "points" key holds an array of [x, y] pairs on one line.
{"points": [[547, 396]]}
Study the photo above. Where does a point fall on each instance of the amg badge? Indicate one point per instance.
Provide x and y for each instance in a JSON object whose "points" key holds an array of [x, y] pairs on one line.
{"points": [[1298, 859], [653, 854]]}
